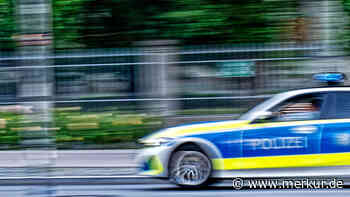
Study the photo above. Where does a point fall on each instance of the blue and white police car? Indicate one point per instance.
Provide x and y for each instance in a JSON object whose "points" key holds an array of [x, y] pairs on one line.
{"points": [[302, 132]]}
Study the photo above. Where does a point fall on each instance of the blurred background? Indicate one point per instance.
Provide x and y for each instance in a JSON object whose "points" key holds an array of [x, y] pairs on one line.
{"points": [[103, 73], [100, 74]]}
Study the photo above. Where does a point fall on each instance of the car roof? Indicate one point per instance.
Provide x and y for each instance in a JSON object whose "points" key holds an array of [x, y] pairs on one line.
{"points": [[316, 90]]}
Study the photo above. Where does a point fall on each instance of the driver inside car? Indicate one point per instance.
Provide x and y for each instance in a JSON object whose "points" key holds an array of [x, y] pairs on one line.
{"points": [[300, 111]]}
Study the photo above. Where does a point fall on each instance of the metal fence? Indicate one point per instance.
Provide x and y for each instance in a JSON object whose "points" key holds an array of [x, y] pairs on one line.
{"points": [[195, 77]]}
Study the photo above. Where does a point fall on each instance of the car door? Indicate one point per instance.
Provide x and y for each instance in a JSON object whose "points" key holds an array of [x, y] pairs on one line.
{"points": [[335, 147], [290, 139]]}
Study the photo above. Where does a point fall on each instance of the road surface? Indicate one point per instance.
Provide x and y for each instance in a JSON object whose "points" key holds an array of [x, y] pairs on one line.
{"points": [[157, 190], [69, 158]]}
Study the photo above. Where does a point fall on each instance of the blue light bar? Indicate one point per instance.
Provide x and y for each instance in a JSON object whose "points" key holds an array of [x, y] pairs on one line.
{"points": [[330, 77]]}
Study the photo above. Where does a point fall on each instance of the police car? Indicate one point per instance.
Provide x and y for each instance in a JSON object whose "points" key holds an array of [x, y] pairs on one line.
{"points": [[302, 132]]}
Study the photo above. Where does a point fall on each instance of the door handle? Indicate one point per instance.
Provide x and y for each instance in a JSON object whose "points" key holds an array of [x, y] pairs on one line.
{"points": [[304, 129]]}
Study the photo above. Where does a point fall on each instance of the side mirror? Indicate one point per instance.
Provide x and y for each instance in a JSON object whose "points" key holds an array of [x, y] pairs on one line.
{"points": [[262, 116]]}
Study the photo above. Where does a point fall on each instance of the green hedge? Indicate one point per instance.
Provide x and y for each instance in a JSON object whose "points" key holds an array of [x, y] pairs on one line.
{"points": [[75, 126]]}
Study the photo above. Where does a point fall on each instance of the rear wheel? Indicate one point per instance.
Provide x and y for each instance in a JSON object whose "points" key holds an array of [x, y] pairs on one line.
{"points": [[190, 169]]}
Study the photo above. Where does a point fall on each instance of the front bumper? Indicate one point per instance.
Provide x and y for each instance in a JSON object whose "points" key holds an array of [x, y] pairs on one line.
{"points": [[154, 161]]}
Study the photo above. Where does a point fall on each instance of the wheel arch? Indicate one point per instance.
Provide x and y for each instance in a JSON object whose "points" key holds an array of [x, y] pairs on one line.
{"points": [[204, 146]]}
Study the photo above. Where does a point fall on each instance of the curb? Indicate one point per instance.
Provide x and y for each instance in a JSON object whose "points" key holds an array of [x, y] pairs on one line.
{"points": [[81, 180]]}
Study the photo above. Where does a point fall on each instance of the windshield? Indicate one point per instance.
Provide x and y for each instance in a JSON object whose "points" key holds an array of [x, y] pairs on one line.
{"points": [[263, 106]]}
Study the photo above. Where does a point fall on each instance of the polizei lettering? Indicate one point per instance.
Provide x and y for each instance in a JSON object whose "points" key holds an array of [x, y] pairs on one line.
{"points": [[276, 143]]}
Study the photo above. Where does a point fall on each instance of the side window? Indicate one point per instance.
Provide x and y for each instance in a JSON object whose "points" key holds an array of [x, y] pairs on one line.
{"points": [[342, 105], [304, 107]]}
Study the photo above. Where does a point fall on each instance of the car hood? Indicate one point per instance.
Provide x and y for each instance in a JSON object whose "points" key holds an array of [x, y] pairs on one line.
{"points": [[195, 128]]}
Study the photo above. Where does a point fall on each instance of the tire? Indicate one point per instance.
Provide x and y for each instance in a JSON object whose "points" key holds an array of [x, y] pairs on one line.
{"points": [[190, 169]]}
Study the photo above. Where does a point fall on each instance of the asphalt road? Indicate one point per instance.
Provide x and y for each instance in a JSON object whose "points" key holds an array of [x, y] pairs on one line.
{"points": [[67, 163], [157, 190], [67, 158], [89, 163]]}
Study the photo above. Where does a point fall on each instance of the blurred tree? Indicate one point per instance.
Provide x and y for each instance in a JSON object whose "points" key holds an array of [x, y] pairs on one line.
{"points": [[203, 21], [67, 15], [112, 23], [120, 22], [346, 34], [7, 25]]}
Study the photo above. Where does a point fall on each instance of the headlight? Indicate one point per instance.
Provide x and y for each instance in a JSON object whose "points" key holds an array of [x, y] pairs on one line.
{"points": [[158, 142]]}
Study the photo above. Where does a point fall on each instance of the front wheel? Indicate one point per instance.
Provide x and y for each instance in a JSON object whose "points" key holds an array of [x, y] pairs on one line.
{"points": [[190, 169]]}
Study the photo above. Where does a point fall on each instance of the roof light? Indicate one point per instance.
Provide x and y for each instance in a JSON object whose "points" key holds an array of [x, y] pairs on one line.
{"points": [[332, 77]]}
